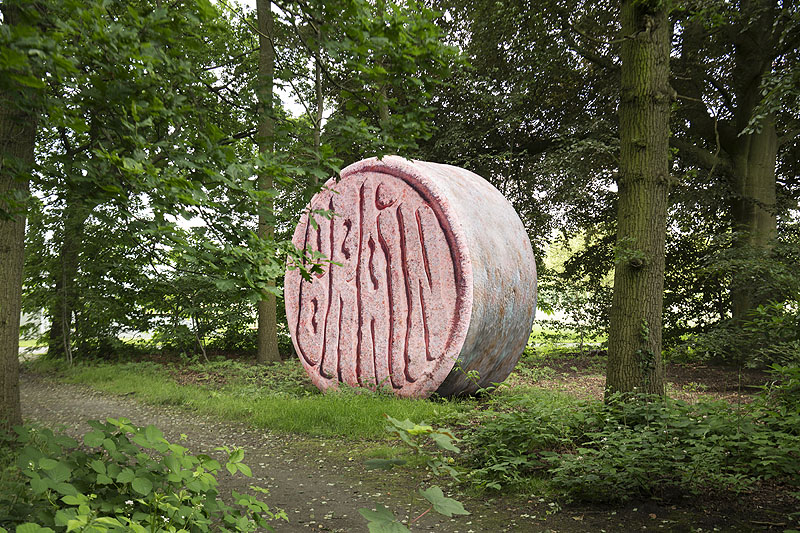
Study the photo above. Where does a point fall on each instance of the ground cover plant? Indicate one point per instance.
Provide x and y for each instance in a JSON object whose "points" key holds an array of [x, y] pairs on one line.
{"points": [[536, 434], [123, 478]]}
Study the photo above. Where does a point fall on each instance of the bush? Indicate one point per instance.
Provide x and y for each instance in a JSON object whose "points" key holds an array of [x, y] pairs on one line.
{"points": [[510, 446], [642, 446], [127, 478], [770, 335]]}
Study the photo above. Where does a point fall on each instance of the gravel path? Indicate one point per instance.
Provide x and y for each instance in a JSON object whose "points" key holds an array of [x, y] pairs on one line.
{"points": [[320, 488]]}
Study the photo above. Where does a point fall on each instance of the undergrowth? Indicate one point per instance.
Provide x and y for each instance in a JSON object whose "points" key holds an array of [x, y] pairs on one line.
{"points": [[276, 397], [121, 477], [642, 447]]}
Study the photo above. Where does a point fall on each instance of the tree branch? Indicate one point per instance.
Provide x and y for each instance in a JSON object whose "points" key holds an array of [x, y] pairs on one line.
{"points": [[567, 29], [695, 155]]}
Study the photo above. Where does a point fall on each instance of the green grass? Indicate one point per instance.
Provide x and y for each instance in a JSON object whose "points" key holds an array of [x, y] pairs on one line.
{"points": [[29, 343], [344, 414], [553, 335]]}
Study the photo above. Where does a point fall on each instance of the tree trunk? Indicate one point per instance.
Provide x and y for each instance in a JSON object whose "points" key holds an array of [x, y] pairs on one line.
{"points": [[267, 312], [320, 101], [753, 208], [753, 155], [66, 293], [17, 141], [634, 340]]}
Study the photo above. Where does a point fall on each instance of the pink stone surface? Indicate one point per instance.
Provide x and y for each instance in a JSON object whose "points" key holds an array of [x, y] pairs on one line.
{"points": [[401, 304]]}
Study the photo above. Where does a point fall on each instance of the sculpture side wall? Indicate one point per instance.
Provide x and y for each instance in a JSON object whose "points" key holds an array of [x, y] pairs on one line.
{"points": [[503, 273]]}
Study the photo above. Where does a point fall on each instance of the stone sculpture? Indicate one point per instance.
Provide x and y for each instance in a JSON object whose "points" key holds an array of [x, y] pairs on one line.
{"points": [[432, 266]]}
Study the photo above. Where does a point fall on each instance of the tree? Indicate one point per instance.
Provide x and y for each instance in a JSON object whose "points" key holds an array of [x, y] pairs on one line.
{"points": [[19, 92], [267, 313], [737, 120], [154, 124], [634, 338], [536, 115]]}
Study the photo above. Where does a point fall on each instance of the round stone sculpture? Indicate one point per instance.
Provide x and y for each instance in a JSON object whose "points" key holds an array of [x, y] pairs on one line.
{"points": [[433, 276]]}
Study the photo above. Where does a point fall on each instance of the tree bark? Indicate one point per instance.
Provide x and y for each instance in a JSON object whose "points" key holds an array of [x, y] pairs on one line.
{"points": [[66, 293], [753, 208], [267, 312], [634, 341], [17, 141], [753, 155], [320, 101], [747, 161]]}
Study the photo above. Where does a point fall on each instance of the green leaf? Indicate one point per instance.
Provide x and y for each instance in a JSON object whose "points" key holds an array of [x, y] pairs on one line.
{"points": [[153, 434], [65, 489], [382, 520], [419, 429], [142, 485], [39, 485], [108, 521], [126, 476], [45, 463], [441, 503], [444, 441], [206, 8], [237, 456], [75, 499], [94, 438], [61, 472], [28, 81]]}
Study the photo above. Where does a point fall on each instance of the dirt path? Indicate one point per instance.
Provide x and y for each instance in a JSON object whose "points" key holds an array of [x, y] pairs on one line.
{"points": [[321, 486], [313, 480]]}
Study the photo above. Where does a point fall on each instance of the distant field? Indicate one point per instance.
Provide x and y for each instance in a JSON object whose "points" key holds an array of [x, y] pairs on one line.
{"points": [[27, 343]]}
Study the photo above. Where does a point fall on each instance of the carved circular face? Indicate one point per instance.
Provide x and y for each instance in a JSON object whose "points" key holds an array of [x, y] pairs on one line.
{"points": [[391, 311]]}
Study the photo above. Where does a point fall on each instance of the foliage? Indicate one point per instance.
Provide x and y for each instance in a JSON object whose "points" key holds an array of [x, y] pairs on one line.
{"points": [[128, 478], [382, 520], [697, 321], [508, 445], [641, 447], [145, 184], [769, 335]]}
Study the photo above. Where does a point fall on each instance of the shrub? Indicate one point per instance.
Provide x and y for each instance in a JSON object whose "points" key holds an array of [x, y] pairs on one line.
{"points": [[127, 478], [642, 446], [770, 335], [509, 446]]}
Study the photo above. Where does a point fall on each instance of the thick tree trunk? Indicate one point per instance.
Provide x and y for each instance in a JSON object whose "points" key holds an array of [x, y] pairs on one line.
{"points": [[66, 276], [17, 141], [634, 342], [267, 312], [753, 156], [753, 208]]}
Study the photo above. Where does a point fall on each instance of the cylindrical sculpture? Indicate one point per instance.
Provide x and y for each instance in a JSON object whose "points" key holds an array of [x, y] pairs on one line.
{"points": [[433, 276]]}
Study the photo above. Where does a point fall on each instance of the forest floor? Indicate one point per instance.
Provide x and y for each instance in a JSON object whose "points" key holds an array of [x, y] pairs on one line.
{"points": [[322, 482]]}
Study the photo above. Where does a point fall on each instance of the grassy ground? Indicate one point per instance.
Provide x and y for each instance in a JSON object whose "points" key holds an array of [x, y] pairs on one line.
{"points": [[551, 378], [29, 343], [277, 397]]}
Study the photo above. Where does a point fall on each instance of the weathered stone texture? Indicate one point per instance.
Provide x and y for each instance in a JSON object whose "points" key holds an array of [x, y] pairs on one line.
{"points": [[432, 264]]}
